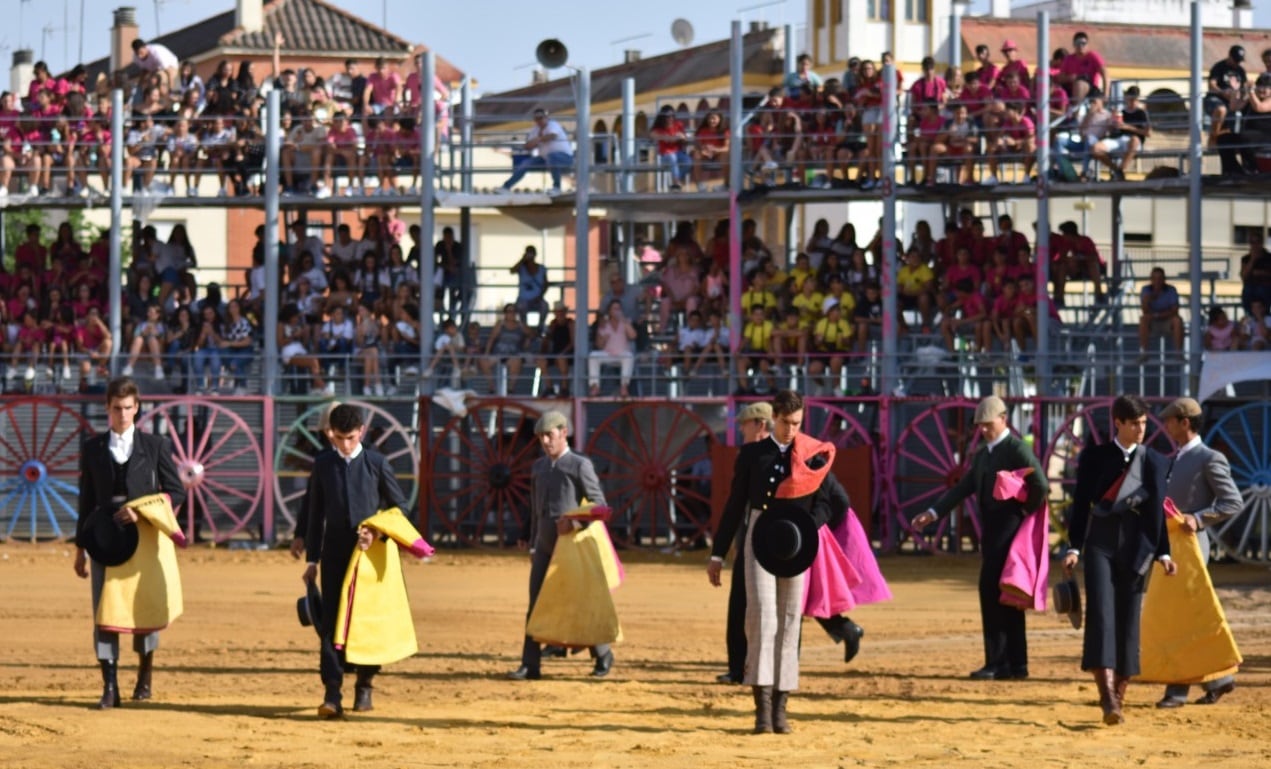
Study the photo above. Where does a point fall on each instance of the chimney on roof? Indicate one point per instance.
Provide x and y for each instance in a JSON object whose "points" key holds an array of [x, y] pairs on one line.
{"points": [[1000, 9], [630, 56], [758, 26], [1242, 14], [249, 15], [122, 33], [23, 71], [538, 76]]}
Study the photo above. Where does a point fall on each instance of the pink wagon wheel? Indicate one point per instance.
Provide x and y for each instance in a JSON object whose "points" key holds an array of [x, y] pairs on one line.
{"points": [[931, 455], [650, 459], [835, 424], [1087, 424], [39, 465], [219, 458], [479, 484]]}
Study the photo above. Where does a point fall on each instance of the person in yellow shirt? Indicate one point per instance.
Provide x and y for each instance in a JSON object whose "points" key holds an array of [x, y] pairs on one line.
{"points": [[758, 295], [802, 271], [831, 342], [915, 284], [808, 302], [756, 350], [790, 339], [839, 293]]}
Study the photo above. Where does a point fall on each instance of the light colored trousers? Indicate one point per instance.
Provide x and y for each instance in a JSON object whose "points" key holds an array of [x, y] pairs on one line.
{"points": [[598, 358], [774, 617]]}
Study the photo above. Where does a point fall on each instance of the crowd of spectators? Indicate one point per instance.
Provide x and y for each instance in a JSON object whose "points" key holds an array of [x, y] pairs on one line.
{"points": [[358, 122]]}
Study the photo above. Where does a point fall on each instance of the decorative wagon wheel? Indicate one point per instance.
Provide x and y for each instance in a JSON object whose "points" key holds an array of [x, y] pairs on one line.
{"points": [[293, 456], [830, 422], [1244, 435], [479, 485], [40, 443], [930, 456], [1090, 425], [219, 458], [645, 456]]}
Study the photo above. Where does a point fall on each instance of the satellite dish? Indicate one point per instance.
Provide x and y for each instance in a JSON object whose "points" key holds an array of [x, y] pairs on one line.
{"points": [[551, 53], [682, 32]]}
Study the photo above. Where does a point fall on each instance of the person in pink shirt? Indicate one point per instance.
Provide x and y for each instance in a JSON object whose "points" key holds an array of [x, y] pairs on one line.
{"points": [[408, 149], [978, 98], [1010, 89], [1002, 318], [383, 89], [43, 80], [998, 273], [967, 312], [412, 93], [1014, 140], [380, 137], [342, 141], [94, 343], [1082, 69], [1014, 64], [29, 345], [925, 147], [615, 343], [987, 70]]}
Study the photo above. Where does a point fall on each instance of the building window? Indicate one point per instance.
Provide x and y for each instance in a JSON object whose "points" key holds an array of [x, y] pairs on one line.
{"points": [[820, 14], [917, 11], [836, 12], [1241, 233], [878, 10]]}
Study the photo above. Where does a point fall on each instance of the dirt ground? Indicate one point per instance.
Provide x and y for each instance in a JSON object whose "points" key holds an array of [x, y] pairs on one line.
{"points": [[236, 682]]}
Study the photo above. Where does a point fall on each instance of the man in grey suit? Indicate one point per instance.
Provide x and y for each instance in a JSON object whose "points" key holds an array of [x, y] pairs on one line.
{"points": [[1200, 484], [559, 480]]}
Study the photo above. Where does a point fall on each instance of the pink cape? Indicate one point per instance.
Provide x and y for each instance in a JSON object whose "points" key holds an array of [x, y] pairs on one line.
{"points": [[845, 574], [1027, 570]]}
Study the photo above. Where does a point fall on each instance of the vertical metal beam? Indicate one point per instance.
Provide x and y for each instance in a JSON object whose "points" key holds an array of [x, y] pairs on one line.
{"points": [[1042, 312], [890, 378], [1118, 246], [955, 35], [628, 134], [736, 54], [273, 280], [115, 279], [582, 235], [1196, 147], [465, 132], [427, 223], [787, 34]]}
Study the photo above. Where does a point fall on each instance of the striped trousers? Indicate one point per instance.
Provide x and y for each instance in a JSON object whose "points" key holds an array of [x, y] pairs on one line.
{"points": [[774, 616]]}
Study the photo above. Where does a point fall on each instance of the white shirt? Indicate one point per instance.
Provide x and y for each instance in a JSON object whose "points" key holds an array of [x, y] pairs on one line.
{"points": [[548, 146], [994, 443], [349, 458], [121, 444], [1193, 443], [694, 337], [160, 58]]}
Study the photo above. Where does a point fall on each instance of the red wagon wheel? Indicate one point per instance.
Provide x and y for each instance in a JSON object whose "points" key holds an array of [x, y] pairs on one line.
{"points": [[480, 481], [931, 455], [833, 423], [40, 443], [648, 457], [220, 461]]}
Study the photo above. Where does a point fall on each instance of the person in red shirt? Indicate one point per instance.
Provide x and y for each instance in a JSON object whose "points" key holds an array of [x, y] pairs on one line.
{"points": [[1015, 141], [978, 98], [30, 252], [710, 146], [998, 273], [925, 146], [1002, 316], [1082, 69], [342, 142], [869, 100], [1009, 238], [961, 270], [1010, 89], [966, 313], [1014, 64], [1082, 261], [672, 145]]}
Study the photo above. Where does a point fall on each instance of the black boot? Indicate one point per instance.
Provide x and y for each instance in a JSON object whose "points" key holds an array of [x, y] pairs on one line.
{"points": [[362, 691], [779, 723], [144, 669], [852, 643], [763, 709], [331, 707], [110, 685]]}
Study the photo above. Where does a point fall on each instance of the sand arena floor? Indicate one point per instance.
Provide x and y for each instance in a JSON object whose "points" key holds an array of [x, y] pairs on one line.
{"points": [[236, 682]]}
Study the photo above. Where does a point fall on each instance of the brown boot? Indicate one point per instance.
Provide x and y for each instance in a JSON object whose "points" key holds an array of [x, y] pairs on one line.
{"points": [[1104, 680], [110, 685], [763, 709], [779, 723], [1119, 684], [142, 690]]}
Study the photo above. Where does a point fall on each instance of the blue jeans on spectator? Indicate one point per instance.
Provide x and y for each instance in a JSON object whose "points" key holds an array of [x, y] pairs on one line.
{"points": [[680, 164], [237, 359], [340, 347], [177, 360], [555, 163], [205, 358]]}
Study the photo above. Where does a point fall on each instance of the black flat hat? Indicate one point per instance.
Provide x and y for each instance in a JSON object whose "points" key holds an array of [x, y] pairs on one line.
{"points": [[107, 542], [1068, 601], [785, 541], [309, 608]]}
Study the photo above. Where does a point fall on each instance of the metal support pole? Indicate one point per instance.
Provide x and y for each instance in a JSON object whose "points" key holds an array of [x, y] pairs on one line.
{"points": [[787, 32], [628, 135], [427, 191], [465, 132], [955, 35], [273, 280], [115, 279], [1043, 208], [582, 234], [890, 378], [1196, 147], [736, 140], [1118, 245]]}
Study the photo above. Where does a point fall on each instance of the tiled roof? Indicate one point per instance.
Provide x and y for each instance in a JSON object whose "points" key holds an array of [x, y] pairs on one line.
{"points": [[310, 27], [1139, 46], [666, 72]]}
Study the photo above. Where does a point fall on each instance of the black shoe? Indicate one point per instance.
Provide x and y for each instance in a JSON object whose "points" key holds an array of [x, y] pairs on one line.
{"points": [[525, 674], [852, 642], [144, 670], [110, 685], [604, 663], [1212, 696], [362, 699], [1170, 703], [554, 651], [728, 678], [1017, 674], [988, 674]]}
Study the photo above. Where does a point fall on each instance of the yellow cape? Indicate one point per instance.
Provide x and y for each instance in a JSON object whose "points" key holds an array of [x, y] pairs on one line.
{"points": [[143, 594], [1185, 635], [574, 606], [374, 624]]}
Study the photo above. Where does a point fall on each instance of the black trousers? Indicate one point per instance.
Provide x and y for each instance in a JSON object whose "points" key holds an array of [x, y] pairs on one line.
{"points": [[1114, 595], [532, 651], [735, 634], [335, 562], [1005, 639]]}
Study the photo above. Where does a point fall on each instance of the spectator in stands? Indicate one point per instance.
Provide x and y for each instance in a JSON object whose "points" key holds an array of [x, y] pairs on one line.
{"points": [[155, 58], [672, 143], [383, 90], [966, 316], [1255, 327], [93, 343], [1014, 65], [29, 344], [710, 149], [807, 302], [978, 98], [681, 288], [756, 352], [206, 365], [1228, 87], [694, 338], [372, 283], [1255, 272], [342, 145], [1158, 302], [223, 95], [189, 82], [1098, 124], [183, 157], [335, 338], [1221, 335], [293, 348], [1129, 133], [916, 285], [987, 71], [869, 100], [546, 146], [557, 349], [615, 343], [959, 140], [831, 342], [179, 345], [302, 151], [1015, 141], [219, 143], [1239, 152], [925, 147], [1082, 70], [1002, 316], [803, 81], [367, 349], [717, 343], [508, 343], [868, 316], [531, 291], [148, 336], [619, 291], [790, 340], [1083, 261]]}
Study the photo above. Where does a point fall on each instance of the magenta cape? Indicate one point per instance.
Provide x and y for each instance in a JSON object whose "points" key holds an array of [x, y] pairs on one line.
{"points": [[1027, 570], [845, 574]]}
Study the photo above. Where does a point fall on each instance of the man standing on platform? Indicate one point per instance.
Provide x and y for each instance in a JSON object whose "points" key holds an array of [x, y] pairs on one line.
{"points": [[1118, 519], [1200, 484], [1005, 641]]}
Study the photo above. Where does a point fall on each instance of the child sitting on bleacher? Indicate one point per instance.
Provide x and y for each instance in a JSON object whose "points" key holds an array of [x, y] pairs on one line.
{"points": [[1221, 335]]}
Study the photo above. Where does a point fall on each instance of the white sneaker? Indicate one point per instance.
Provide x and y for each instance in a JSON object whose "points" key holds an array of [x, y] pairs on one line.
{"points": [[66, 372], [127, 371], [329, 389], [10, 373], [4, 192], [554, 191], [322, 192], [158, 373], [989, 181], [29, 374], [192, 192], [770, 166], [33, 190]]}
